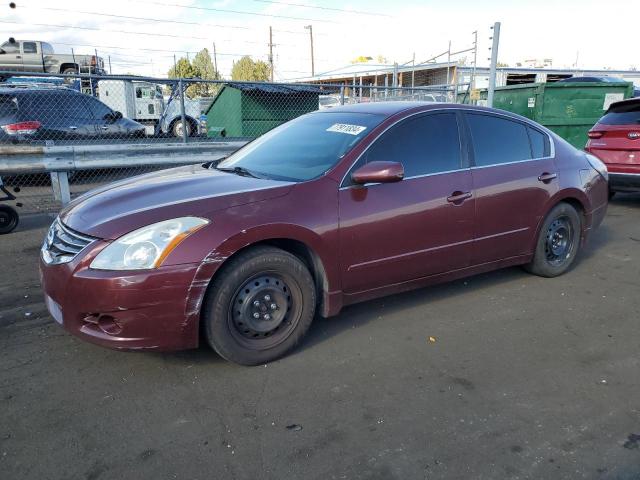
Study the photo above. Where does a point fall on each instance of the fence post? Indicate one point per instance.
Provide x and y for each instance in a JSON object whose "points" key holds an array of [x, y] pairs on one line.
{"points": [[341, 94], [60, 186], [184, 120]]}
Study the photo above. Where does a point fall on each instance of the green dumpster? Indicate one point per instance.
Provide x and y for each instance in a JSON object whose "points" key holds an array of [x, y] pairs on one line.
{"points": [[251, 109], [568, 109]]}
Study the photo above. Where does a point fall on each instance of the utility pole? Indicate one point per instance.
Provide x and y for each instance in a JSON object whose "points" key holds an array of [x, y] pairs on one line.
{"points": [[413, 71], [475, 60], [310, 28], [448, 61], [271, 53], [494, 62], [215, 62]]}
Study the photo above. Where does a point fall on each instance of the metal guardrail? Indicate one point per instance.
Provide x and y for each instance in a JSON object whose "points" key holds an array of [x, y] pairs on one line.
{"points": [[18, 159]]}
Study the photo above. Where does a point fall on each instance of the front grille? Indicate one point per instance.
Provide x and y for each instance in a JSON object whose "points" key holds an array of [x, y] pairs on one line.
{"points": [[63, 244]]}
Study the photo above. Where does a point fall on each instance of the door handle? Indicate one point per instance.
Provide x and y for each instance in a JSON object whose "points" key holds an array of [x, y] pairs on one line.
{"points": [[457, 197], [18, 56], [546, 177], [71, 127]]}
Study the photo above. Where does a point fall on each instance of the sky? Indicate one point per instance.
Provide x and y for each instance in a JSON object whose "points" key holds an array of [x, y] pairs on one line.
{"points": [[142, 36]]}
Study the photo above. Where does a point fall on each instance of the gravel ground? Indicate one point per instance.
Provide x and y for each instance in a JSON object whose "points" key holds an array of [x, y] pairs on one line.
{"points": [[503, 375]]}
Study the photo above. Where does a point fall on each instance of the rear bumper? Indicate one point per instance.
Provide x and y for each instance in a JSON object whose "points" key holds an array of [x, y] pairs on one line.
{"points": [[624, 182]]}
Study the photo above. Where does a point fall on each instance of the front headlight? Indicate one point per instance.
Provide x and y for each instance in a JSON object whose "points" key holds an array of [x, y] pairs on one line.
{"points": [[148, 246]]}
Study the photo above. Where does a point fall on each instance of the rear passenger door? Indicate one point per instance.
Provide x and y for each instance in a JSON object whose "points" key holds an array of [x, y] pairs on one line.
{"points": [[514, 175], [31, 57]]}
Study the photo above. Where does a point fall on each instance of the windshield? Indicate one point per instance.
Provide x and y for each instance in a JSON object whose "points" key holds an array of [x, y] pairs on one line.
{"points": [[303, 148]]}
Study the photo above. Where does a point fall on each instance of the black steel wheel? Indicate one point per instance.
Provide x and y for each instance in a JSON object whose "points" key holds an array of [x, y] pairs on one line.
{"points": [[259, 306], [558, 242], [9, 219]]}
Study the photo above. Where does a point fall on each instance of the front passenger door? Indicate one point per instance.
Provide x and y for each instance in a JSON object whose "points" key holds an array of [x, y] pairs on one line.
{"points": [[422, 225]]}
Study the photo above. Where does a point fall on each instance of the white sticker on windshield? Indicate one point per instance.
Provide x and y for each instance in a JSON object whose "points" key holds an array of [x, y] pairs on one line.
{"points": [[346, 128]]}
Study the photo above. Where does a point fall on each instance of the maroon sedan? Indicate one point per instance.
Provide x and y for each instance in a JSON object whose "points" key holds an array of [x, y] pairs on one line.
{"points": [[330, 209]]}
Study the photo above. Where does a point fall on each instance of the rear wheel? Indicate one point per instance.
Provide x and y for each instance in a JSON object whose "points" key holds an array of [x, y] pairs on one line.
{"points": [[259, 307], [178, 129], [8, 219], [558, 242]]}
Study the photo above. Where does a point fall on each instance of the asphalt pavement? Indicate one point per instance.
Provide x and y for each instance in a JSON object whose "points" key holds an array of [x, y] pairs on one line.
{"points": [[502, 375]]}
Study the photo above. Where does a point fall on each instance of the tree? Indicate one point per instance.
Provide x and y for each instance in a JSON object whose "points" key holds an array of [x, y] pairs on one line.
{"points": [[250, 70], [361, 59], [182, 69], [204, 69]]}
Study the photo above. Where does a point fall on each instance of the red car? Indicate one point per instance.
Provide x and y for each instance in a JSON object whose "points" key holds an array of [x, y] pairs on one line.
{"points": [[332, 208], [615, 140]]}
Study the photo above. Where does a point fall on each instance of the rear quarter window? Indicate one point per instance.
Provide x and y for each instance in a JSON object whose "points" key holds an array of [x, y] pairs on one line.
{"points": [[539, 143]]}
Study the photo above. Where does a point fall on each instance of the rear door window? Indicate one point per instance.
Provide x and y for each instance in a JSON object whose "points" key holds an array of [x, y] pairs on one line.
{"points": [[29, 47], [497, 140], [425, 144], [97, 108]]}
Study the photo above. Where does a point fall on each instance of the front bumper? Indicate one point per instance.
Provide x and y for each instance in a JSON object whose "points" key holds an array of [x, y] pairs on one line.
{"points": [[151, 309]]}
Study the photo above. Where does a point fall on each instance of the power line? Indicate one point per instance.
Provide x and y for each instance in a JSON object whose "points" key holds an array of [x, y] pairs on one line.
{"points": [[103, 30], [324, 8], [238, 12], [147, 19]]}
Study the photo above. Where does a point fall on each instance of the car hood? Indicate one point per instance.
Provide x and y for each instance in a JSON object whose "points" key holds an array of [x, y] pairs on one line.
{"points": [[118, 208]]}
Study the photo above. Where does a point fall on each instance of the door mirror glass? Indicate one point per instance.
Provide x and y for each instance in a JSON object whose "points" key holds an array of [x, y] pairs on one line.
{"points": [[378, 172]]}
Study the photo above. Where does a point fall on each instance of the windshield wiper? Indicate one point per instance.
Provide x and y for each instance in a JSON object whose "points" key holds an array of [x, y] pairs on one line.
{"points": [[238, 171]]}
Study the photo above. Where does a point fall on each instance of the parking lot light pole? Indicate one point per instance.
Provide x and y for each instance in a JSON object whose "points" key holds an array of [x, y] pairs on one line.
{"points": [[494, 62]]}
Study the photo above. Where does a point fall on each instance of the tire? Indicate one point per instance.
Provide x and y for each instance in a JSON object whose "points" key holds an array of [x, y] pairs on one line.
{"points": [[9, 219], [70, 71], [176, 129], [266, 282], [558, 242]]}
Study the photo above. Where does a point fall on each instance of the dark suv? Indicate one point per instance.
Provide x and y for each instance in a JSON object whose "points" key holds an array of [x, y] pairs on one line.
{"points": [[46, 113]]}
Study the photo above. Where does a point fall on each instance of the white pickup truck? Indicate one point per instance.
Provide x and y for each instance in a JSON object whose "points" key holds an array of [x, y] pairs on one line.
{"points": [[143, 102], [36, 56]]}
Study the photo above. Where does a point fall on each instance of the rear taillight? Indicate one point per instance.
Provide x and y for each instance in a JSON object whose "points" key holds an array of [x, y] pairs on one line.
{"points": [[22, 128], [94, 61], [595, 134]]}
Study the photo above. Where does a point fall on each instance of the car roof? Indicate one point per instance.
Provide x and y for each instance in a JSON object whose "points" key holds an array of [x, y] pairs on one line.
{"points": [[29, 89], [389, 109]]}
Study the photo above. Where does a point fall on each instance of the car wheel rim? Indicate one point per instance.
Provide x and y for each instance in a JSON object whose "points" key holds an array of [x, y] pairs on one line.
{"points": [[264, 311], [559, 241]]}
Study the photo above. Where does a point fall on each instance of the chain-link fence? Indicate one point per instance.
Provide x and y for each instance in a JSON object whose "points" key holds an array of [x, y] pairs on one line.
{"points": [[81, 117]]}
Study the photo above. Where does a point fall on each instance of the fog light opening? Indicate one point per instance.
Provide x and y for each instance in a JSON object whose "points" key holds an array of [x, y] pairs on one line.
{"points": [[109, 325]]}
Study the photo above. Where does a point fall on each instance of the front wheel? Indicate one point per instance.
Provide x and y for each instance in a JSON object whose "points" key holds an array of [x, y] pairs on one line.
{"points": [[558, 242], [259, 307], [9, 219]]}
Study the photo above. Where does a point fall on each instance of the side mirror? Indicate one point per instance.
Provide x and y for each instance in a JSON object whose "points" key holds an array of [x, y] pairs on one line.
{"points": [[378, 172], [112, 116]]}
